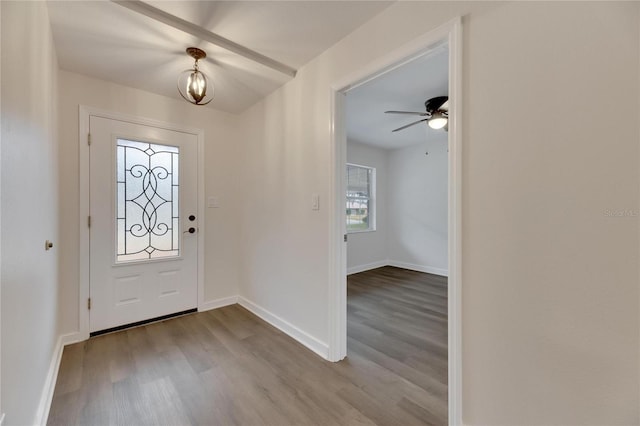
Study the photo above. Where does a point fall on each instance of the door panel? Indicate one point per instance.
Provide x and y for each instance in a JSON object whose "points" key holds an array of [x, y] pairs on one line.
{"points": [[143, 188]]}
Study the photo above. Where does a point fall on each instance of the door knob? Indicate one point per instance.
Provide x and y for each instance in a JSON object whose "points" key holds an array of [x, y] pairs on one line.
{"points": [[192, 218], [191, 230]]}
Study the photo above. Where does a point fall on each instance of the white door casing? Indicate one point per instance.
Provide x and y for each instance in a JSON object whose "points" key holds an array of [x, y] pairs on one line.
{"points": [[122, 290]]}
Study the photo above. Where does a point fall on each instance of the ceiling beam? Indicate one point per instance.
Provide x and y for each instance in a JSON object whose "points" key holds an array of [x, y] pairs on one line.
{"points": [[203, 34]]}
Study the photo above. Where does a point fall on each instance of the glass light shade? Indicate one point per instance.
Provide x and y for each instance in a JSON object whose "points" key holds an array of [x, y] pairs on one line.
{"points": [[195, 87], [437, 121]]}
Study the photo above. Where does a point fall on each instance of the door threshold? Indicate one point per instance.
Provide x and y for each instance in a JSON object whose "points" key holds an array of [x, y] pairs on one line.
{"points": [[143, 322]]}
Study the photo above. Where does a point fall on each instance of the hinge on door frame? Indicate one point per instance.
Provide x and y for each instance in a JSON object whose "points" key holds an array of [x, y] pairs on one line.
{"points": [[89, 221], [89, 139], [89, 303]]}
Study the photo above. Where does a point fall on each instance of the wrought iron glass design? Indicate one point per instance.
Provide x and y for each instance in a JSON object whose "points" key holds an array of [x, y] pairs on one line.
{"points": [[147, 213]]}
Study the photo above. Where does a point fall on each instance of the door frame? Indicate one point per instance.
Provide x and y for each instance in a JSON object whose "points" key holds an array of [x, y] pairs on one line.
{"points": [[84, 114], [450, 34]]}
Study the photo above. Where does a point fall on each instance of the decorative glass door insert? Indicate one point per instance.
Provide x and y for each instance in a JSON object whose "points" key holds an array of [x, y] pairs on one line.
{"points": [[147, 206]]}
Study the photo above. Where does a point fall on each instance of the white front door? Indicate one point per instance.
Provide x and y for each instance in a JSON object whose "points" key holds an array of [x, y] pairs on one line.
{"points": [[143, 231]]}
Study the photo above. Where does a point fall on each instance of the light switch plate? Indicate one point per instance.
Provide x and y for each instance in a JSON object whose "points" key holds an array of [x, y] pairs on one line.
{"points": [[315, 202], [213, 202]]}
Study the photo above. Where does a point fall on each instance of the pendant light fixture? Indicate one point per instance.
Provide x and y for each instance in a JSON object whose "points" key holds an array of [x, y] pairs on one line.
{"points": [[193, 84]]}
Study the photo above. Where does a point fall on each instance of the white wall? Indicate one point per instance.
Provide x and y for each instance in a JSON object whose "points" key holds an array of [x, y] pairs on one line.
{"points": [[221, 179], [550, 283], [418, 207], [366, 250], [552, 273], [29, 165]]}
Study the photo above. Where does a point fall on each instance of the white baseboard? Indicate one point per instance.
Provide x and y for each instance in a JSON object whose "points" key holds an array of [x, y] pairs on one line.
{"points": [[419, 268], [217, 303], [286, 327], [367, 267], [42, 414], [71, 338], [397, 264]]}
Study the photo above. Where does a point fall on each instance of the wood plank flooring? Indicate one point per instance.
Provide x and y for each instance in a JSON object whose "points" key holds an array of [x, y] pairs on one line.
{"points": [[228, 367]]}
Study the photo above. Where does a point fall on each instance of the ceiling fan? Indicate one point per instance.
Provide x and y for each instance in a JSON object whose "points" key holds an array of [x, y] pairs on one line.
{"points": [[436, 115]]}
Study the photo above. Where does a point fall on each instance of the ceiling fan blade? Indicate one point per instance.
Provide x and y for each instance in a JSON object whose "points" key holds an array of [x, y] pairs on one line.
{"points": [[410, 124], [407, 112]]}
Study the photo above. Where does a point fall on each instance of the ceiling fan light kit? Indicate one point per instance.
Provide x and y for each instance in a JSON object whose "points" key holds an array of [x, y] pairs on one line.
{"points": [[437, 121], [436, 114], [193, 84]]}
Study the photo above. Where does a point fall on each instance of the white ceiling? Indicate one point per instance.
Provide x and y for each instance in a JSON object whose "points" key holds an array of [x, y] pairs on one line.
{"points": [[107, 41], [403, 89]]}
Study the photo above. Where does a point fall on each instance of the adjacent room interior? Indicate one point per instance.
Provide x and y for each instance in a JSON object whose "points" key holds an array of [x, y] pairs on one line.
{"points": [[397, 220]]}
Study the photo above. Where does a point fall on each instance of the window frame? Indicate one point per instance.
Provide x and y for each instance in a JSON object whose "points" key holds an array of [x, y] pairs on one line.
{"points": [[125, 259], [371, 199]]}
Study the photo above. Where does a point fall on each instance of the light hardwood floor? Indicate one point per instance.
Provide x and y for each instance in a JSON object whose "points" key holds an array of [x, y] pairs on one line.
{"points": [[228, 367]]}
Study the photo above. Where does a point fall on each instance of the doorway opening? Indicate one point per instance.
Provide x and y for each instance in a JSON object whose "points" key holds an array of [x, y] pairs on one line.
{"points": [[440, 154], [396, 223]]}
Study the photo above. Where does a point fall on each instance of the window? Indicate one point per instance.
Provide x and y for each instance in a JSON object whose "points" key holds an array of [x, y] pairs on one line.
{"points": [[360, 198], [147, 201]]}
